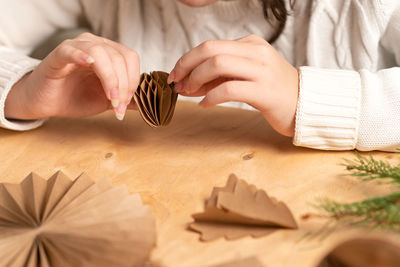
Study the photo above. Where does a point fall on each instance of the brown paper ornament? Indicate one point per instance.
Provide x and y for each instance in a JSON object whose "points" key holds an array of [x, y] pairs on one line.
{"points": [[246, 262], [363, 252], [156, 99], [240, 209], [60, 222]]}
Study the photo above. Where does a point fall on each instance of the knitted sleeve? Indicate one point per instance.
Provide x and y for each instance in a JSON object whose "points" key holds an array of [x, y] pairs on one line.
{"points": [[23, 25], [343, 110]]}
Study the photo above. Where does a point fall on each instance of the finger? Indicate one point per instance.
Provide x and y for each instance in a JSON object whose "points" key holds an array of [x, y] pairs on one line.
{"points": [[131, 58], [237, 91], [132, 63], [226, 66], [209, 49], [112, 70], [132, 68], [206, 87], [121, 97], [131, 106], [66, 58], [102, 66]]}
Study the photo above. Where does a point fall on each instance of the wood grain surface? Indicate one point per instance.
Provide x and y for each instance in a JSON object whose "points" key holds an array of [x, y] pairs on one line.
{"points": [[175, 168]]}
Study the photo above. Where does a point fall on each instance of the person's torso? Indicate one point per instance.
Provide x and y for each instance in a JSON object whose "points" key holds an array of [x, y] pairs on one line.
{"points": [[337, 34]]}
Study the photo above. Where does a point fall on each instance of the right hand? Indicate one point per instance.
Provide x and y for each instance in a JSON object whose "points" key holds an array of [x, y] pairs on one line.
{"points": [[81, 77]]}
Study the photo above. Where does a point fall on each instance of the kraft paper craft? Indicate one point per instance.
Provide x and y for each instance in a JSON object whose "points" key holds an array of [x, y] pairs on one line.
{"points": [[60, 222], [363, 252], [247, 262], [155, 99], [240, 209]]}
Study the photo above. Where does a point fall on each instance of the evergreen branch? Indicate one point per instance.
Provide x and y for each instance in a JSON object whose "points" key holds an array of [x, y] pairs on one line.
{"points": [[382, 212], [376, 213], [359, 208], [369, 168]]}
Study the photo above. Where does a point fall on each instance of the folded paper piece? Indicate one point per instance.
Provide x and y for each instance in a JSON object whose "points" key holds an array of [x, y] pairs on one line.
{"points": [[247, 262], [240, 209], [60, 222], [156, 99], [363, 252]]}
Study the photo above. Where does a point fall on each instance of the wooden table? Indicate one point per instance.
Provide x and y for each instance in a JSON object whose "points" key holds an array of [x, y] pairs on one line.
{"points": [[175, 168]]}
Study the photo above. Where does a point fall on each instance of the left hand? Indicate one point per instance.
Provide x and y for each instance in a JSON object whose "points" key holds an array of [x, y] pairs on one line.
{"points": [[246, 70]]}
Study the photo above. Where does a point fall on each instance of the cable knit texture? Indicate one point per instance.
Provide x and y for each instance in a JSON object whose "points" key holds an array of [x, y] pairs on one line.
{"points": [[347, 52]]}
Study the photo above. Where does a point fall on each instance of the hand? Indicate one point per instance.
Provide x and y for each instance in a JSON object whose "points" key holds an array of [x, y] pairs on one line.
{"points": [[78, 78], [246, 70]]}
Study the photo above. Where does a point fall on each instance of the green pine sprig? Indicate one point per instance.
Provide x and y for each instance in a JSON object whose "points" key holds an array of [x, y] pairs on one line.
{"points": [[368, 168], [378, 212], [382, 212]]}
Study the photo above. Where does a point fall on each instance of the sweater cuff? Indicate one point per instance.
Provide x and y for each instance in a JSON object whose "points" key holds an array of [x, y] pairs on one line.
{"points": [[13, 66], [328, 109]]}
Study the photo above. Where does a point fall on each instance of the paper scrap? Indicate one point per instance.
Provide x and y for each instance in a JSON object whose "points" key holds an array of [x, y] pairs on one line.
{"points": [[363, 252], [240, 209]]}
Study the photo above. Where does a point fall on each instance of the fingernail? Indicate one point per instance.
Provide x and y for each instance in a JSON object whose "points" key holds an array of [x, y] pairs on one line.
{"points": [[171, 77], [178, 86], [120, 117], [90, 60], [114, 97], [115, 103], [85, 58], [120, 111]]}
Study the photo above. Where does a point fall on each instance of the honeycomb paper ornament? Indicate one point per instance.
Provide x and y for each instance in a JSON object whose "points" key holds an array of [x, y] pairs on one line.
{"points": [[156, 99], [60, 222]]}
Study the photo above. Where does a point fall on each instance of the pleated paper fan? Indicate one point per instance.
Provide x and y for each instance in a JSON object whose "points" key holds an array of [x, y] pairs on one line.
{"points": [[60, 222]]}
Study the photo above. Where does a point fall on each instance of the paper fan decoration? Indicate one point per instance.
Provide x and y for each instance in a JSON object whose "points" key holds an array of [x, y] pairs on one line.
{"points": [[363, 252], [60, 222], [240, 209], [156, 99]]}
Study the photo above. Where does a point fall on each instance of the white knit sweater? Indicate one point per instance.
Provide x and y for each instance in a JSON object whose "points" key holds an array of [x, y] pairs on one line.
{"points": [[348, 52]]}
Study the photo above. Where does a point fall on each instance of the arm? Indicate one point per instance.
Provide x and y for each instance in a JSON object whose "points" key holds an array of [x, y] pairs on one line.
{"points": [[324, 109], [340, 110], [23, 25]]}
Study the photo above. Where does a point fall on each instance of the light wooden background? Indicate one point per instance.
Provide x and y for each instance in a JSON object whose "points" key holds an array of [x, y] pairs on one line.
{"points": [[175, 168]]}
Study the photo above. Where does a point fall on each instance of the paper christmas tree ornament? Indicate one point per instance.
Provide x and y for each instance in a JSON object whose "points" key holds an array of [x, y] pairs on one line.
{"points": [[240, 209], [60, 222], [155, 99]]}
